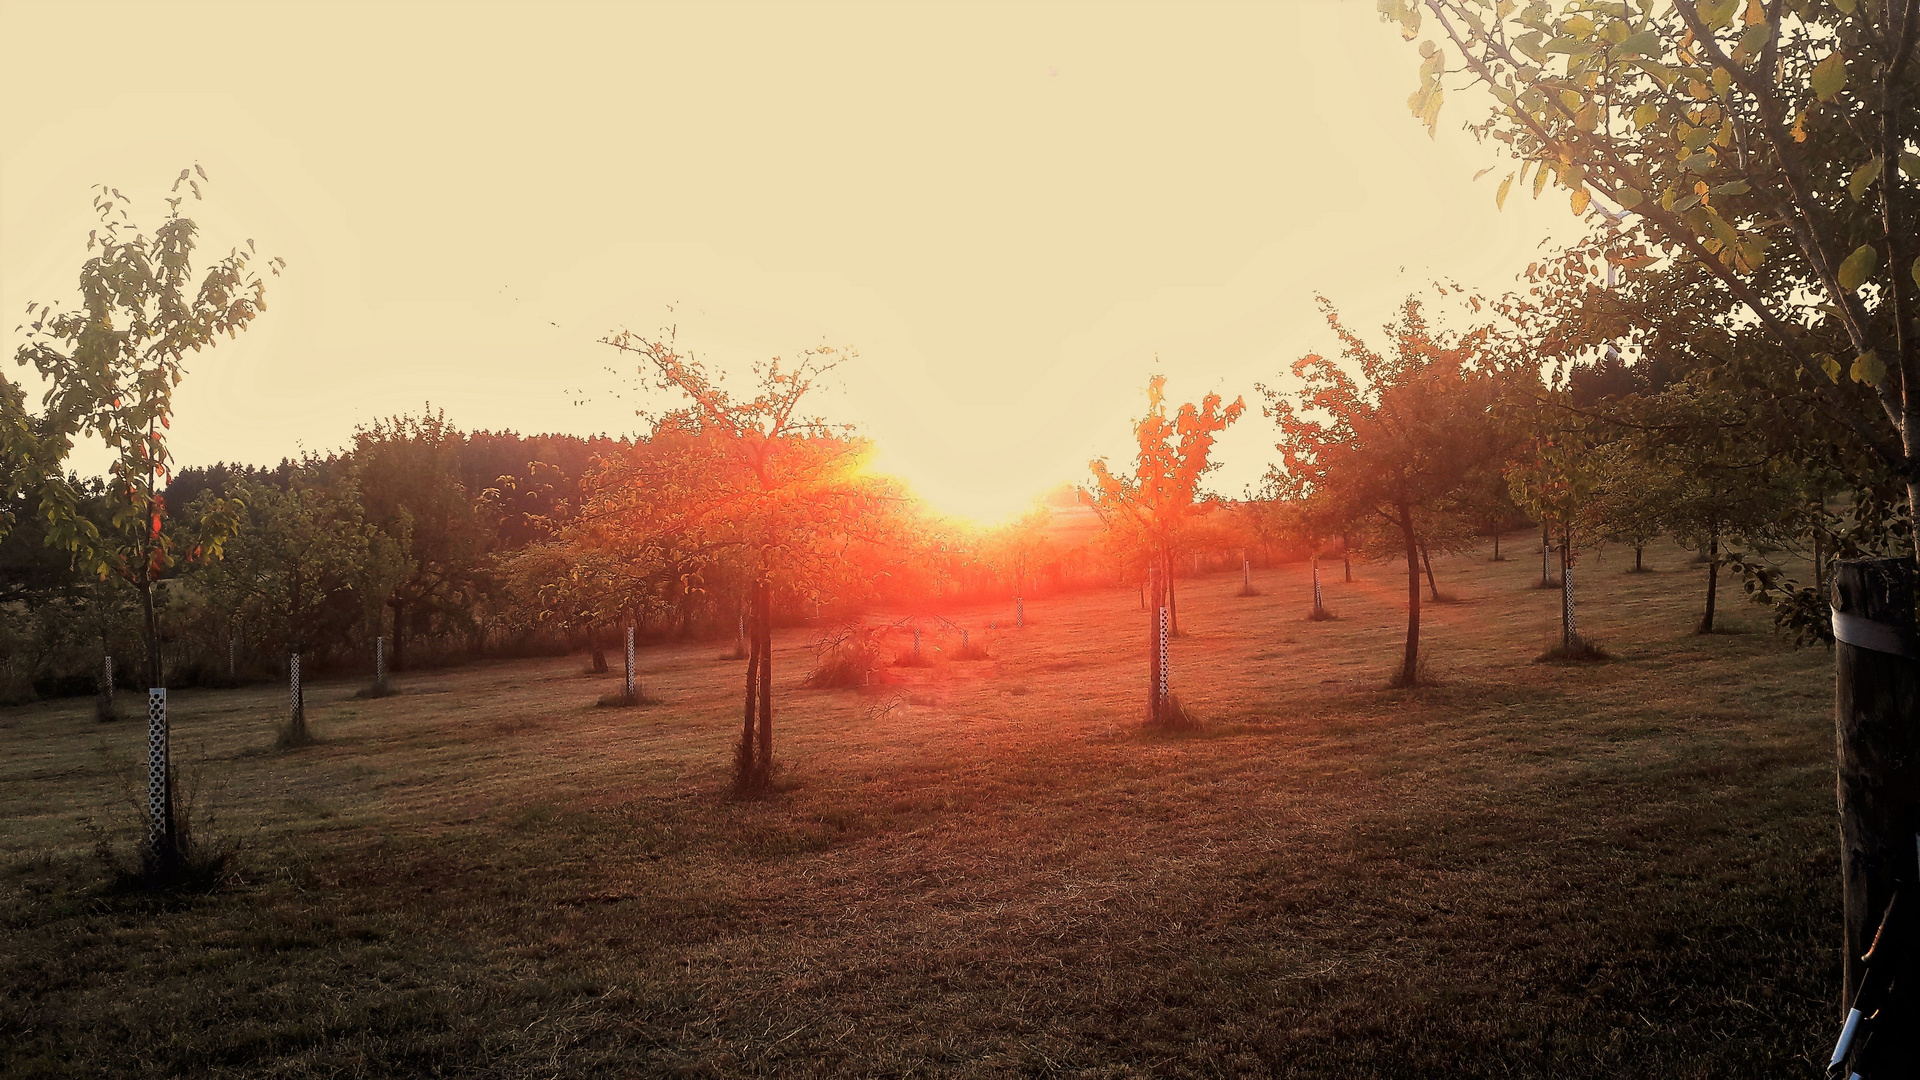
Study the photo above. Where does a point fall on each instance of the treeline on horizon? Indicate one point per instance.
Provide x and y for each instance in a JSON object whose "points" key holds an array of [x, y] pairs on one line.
{"points": [[460, 545]]}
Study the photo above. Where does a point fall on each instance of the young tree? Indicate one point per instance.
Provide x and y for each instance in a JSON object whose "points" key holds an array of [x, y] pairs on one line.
{"points": [[1156, 505], [782, 487], [110, 366], [1397, 442], [1769, 145]]}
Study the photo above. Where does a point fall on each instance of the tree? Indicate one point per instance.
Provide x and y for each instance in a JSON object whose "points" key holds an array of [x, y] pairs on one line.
{"points": [[1155, 505], [110, 366], [407, 471], [1397, 442], [1767, 145], [782, 488], [1630, 500], [296, 564]]}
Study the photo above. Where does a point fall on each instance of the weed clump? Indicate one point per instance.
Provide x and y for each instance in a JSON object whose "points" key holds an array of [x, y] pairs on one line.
{"points": [[200, 861], [620, 699], [1581, 650], [1174, 715]]}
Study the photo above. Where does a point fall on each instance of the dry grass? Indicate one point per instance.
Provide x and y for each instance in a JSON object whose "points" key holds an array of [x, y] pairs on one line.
{"points": [[1528, 870]]}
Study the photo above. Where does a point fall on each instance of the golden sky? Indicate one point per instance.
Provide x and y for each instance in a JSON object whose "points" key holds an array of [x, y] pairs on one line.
{"points": [[1008, 211]]}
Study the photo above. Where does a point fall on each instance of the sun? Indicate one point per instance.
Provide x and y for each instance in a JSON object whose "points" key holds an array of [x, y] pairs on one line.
{"points": [[980, 502]]}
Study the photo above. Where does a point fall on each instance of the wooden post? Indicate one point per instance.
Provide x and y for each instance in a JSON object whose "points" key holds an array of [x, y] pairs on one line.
{"points": [[1319, 608], [1876, 700], [1019, 612], [1546, 573], [916, 643], [1246, 569], [106, 689]]}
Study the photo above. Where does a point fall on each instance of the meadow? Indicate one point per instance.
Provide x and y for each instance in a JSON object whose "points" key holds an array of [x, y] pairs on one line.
{"points": [[982, 867]]}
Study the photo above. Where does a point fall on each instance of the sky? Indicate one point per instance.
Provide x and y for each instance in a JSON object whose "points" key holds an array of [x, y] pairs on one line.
{"points": [[1014, 215]]}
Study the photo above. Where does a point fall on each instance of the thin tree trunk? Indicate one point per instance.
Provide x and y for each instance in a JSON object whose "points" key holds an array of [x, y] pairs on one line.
{"points": [[399, 634], [1713, 581], [1636, 558], [1496, 547], [763, 768], [1173, 606], [1410, 667], [1346, 556], [151, 618], [1153, 647], [598, 650], [744, 753], [1426, 559]]}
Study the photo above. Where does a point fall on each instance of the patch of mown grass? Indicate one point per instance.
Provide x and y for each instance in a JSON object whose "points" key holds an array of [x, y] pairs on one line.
{"points": [[1531, 870]]}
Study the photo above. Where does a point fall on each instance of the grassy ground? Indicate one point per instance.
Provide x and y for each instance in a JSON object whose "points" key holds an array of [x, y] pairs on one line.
{"points": [[1622, 869]]}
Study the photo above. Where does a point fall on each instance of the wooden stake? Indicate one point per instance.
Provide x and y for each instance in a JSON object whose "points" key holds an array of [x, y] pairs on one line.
{"points": [[1877, 695]]}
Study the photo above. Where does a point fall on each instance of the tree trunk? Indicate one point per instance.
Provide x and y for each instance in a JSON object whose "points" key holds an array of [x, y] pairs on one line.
{"points": [[1636, 558], [1173, 606], [1346, 556], [1713, 581], [1496, 547], [763, 768], [1427, 560], [598, 650], [399, 634], [1409, 669], [743, 768], [151, 619], [1153, 645], [1877, 773]]}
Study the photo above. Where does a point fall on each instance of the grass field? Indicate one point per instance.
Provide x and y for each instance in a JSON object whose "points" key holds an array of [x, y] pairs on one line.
{"points": [[1621, 869]]}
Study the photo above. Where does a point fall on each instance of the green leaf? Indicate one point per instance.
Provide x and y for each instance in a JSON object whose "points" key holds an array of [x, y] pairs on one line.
{"points": [[1863, 178], [1845, 6], [1644, 43], [1910, 164], [1916, 271], [1868, 369], [1829, 365], [1858, 267], [1830, 76], [1628, 198], [1645, 114], [1717, 14], [1722, 82]]}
